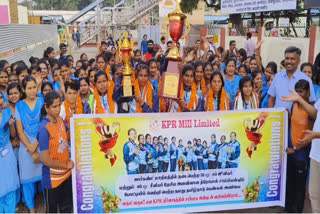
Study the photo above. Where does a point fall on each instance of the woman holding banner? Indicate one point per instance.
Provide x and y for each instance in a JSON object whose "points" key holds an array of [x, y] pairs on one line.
{"points": [[54, 143]]}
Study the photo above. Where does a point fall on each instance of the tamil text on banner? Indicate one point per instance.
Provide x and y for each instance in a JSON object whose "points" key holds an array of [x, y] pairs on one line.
{"points": [[253, 6], [175, 162]]}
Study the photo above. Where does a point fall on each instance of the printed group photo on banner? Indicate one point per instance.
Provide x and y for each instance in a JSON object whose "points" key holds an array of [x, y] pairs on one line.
{"points": [[173, 162]]}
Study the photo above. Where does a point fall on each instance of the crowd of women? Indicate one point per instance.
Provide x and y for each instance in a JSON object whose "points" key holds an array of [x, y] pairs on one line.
{"points": [[37, 102]]}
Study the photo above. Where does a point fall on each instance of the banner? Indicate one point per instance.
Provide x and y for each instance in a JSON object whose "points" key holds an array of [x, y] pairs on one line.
{"points": [[219, 161], [166, 7], [253, 6]]}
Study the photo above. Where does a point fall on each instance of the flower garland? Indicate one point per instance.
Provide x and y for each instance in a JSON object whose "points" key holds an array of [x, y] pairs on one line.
{"points": [[251, 192], [108, 74], [110, 202], [209, 106], [137, 93], [162, 101], [99, 108], [193, 98], [203, 86], [79, 108]]}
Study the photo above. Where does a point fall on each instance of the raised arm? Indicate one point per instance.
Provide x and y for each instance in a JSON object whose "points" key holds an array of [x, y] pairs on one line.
{"points": [[258, 55], [294, 97]]}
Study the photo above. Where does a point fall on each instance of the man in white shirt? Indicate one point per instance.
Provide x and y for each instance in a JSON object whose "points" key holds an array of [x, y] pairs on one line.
{"points": [[212, 46], [163, 44], [250, 45]]}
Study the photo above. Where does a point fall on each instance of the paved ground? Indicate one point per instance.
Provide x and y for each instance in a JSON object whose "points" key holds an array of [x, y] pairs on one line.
{"points": [[90, 51]]}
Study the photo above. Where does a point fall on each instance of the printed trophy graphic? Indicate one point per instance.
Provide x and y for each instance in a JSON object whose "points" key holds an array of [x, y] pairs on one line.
{"points": [[181, 164], [109, 137], [253, 130], [171, 78]]}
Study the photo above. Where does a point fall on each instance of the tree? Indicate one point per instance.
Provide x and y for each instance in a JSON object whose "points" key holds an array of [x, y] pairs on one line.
{"points": [[187, 6]]}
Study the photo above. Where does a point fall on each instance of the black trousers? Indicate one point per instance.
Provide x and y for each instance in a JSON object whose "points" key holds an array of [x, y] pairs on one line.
{"points": [[212, 164], [297, 172], [165, 166], [142, 169], [149, 168], [60, 196]]}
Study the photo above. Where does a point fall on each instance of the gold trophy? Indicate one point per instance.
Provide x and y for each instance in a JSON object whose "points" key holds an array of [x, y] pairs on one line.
{"points": [[171, 78], [126, 51], [253, 125], [253, 129]]}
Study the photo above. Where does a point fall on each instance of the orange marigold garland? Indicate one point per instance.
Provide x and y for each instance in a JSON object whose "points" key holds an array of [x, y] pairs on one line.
{"points": [[162, 101], [79, 108], [108, 74], [203, 86], [209, 106], [99, 107], [148, 95], [193, 97]]}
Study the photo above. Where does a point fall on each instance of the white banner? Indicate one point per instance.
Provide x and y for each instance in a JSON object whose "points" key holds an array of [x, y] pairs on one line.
{"points": [[166, 7], [252, 6]]}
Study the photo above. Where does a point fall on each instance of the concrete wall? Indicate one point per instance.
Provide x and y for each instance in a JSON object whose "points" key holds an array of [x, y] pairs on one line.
{"points": [[197, 16], [18, 14], [23, 15], [273, 47], [4, 2]]}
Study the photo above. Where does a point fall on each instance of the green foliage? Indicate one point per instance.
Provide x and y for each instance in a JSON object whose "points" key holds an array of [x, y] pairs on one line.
{"points": [[55, 4], [187, 6], [110, 202], [251, 192]]}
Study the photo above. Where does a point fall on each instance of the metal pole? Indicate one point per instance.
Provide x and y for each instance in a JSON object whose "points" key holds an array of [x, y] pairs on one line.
{"points": [[150, 21], [98, 18], [113, 18]]}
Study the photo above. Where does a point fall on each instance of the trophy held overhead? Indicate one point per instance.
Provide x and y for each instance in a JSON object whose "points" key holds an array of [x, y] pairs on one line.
{"points": [[171, 79]]}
